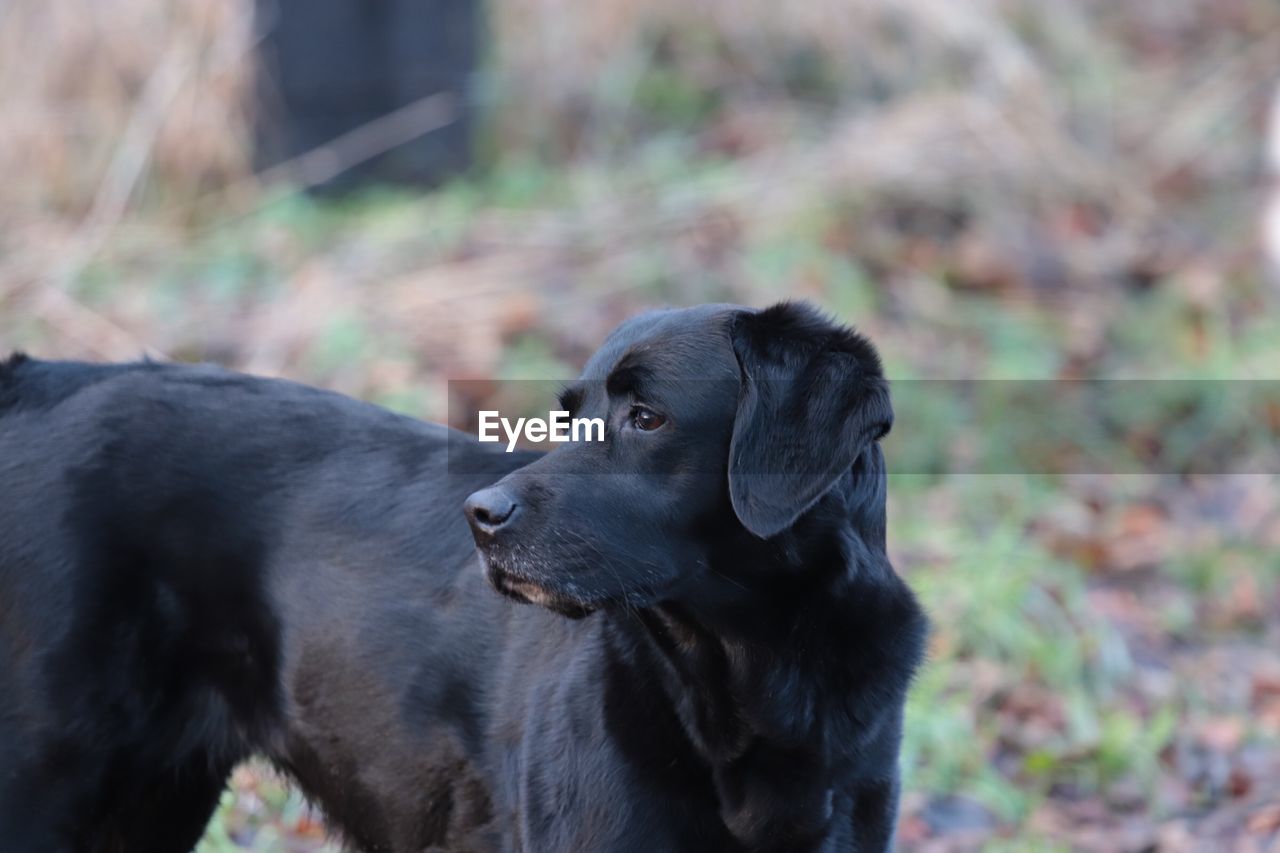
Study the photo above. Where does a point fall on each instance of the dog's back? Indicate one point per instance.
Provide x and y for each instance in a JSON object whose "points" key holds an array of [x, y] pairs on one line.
{"points": [[137, 643], [167, 535]]}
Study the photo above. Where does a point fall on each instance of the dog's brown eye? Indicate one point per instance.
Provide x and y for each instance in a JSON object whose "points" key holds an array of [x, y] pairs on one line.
{"points": [[646, 420]]}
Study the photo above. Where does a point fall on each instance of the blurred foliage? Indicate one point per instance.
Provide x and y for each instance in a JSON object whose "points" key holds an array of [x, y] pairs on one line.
{"points": [[992, 189]]}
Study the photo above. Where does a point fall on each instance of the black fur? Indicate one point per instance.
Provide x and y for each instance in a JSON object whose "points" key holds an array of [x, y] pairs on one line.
{"points": [[197, 566]]}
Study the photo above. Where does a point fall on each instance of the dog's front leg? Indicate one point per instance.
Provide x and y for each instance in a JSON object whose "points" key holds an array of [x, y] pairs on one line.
{"points": [[875, 815]]}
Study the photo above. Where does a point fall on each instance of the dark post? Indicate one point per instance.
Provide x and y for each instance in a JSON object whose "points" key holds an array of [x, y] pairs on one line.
{"points": [[330, 67]]}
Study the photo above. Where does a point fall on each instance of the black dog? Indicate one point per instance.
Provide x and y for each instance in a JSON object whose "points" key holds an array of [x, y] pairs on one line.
{"points": [[197, 566]]}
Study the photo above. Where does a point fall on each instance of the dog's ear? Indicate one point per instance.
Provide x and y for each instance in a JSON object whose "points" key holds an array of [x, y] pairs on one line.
{"points": [[813, 398]]}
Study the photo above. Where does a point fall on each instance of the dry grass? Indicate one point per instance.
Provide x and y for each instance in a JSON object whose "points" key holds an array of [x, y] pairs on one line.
{"points": [[1081, 144], [87, 86], [1087, 88]]}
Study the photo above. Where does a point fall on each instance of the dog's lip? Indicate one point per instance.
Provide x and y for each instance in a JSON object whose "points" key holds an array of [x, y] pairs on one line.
{"points": [[528, 591], [520, 587], [517, 587]]}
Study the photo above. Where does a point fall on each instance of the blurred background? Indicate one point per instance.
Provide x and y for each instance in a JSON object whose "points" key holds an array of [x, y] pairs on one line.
{"points": [[380, 196]]}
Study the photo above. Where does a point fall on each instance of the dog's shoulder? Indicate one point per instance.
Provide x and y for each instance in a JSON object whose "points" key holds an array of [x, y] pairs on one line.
{"points": [[9, 379], [28, 383], [11, 364], [33, 384]]}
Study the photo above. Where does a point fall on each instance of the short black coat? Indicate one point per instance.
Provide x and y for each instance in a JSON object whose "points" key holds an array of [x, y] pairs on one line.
{"points": [[198, 566]]}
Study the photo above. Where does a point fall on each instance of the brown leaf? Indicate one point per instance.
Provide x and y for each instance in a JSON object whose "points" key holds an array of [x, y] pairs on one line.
{"points": [[1224, 734], [1265, 820]]}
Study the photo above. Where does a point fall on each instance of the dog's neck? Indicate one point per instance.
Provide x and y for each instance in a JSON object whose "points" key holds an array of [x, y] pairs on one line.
{"points": [[751, 662]]}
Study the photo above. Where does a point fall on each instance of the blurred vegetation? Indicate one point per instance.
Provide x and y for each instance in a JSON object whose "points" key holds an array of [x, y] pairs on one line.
{"points": [[992, 189]]}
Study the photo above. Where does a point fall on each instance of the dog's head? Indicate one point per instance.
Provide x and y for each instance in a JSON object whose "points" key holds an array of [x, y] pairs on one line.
{"points": [[720, 422]]}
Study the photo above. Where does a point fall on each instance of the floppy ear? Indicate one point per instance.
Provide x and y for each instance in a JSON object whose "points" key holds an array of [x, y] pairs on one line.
{"points": [[813, 398]]}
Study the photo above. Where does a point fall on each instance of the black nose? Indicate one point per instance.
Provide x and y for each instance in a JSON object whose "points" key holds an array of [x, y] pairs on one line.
{"points": [[489, 509]]}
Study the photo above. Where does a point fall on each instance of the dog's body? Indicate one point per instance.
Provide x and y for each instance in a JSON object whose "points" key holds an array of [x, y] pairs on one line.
{"points": [[197, 566]]}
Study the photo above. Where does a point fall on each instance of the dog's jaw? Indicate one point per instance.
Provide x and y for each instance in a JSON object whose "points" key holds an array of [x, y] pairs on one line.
{"points": [[527, 591]]}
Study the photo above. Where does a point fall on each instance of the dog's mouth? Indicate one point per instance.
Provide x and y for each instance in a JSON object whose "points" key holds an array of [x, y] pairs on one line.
{"points": [[531, 592], [566, 599]]}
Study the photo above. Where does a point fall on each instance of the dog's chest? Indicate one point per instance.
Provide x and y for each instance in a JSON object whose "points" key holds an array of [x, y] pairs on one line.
{"points": [[586, 796], [587, 763]]}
